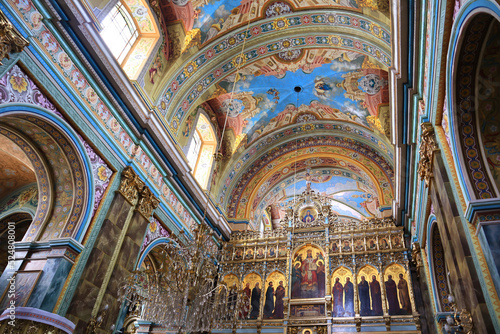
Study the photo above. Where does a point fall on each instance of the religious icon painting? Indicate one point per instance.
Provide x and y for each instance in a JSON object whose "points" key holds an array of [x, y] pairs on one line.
{"points": [[384, 242], [308, 273], [371, 243], [346, 246], [271, 251], [261, 253], [282, 251], [275, 292], [308, 331], [252, 290], [238, 254], [342, 293], [397, 241], [231, 280], [369, 291], [396, 290], [249, 253], [359, 244], [334, 246], [308, 215], [228, 254]]}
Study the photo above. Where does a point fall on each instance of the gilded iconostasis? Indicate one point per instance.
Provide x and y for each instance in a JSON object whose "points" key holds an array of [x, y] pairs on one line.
{"points": [[319, 266]]}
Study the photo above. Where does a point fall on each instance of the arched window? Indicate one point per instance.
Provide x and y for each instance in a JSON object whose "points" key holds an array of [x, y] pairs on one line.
{"points": [[120, 32], [131, 32], [201, 150]]}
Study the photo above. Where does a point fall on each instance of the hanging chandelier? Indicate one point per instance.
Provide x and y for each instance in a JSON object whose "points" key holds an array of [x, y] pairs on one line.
{"points": [[184, 293]]}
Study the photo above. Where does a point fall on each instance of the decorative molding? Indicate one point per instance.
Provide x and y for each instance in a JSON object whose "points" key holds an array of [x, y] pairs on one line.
{"points": [[11, 41], [427, 148]]}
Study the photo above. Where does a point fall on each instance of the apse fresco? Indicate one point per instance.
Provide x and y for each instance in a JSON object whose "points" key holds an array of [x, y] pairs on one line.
{"points": [[350, 88], [215, 18], [349, 197]]}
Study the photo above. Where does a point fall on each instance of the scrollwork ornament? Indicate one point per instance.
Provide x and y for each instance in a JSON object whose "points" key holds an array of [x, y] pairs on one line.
{"points": [[428, 147], [466, 321], [130, 185], [416, 255], [147, 203], [11, 41]]}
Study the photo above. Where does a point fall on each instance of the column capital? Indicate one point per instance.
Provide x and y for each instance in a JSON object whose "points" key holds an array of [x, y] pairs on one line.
{"points": [[10, 39]]}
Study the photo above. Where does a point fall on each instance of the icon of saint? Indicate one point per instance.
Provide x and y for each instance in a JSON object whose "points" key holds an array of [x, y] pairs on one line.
{"points": [[308, 217], [404, 296], [392, 295]]}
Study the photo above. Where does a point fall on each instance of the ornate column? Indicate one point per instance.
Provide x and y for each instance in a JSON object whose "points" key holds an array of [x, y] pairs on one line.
{"points": [[356, 298], [94, 305]]}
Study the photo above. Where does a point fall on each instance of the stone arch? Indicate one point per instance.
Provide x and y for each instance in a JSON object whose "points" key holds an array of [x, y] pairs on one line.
{"points": [[63, 170], [472, 26]]}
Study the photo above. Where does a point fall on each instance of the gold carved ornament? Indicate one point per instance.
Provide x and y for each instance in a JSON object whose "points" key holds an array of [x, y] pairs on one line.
{"points": [[427, 148], [416, 256], [130, 185], [11, 41], [147, 203]]}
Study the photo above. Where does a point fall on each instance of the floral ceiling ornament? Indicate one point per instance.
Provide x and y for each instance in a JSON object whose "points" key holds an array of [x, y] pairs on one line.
{"points": [[427, 148], [11, 41]]}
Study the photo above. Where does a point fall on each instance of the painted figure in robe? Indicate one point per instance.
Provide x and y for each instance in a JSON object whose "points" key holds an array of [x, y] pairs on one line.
{"points": [[404, 296], [269, 304], [309, 283], [376, 295], [255, 301], [349, 297], [364, 296], [338, 298], [392, 295], [296, 280], [245, 307], [279, 306]]}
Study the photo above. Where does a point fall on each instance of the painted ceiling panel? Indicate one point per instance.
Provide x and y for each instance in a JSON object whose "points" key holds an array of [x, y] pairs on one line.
{"points": [[240, 62]]}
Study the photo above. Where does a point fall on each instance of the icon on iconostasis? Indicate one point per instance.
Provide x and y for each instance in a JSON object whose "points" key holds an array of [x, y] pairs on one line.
{"points": [[308, 273]]}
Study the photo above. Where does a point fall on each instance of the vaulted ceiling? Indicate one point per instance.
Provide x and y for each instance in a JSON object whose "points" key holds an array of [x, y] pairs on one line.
{"points": [[297, 89]]}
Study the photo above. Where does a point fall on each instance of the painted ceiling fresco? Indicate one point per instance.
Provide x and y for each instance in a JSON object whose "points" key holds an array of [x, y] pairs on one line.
{"points": [[263, 100], [239, 62], [16, 170]]}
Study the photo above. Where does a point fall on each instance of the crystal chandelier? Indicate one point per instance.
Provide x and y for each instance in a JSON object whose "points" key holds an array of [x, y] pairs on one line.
{"points": [[184, 293]]}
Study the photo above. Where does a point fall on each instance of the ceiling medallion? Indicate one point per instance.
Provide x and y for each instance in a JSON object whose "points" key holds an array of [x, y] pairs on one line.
{"points": [[290, 55], [280, 24]]}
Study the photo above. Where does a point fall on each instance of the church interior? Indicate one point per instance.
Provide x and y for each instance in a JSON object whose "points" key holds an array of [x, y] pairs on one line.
{"points": [[249, 166]]}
